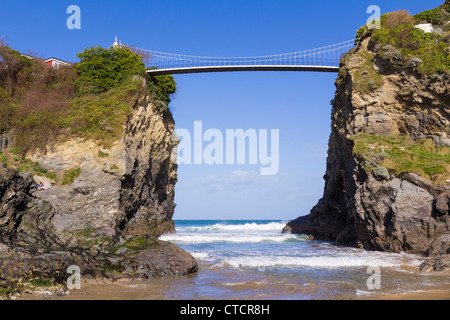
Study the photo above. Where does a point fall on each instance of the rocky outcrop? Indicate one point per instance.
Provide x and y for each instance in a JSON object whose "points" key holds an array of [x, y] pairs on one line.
{"points": [[128, 187], [148, 183], [441, 263], [379, 209], [109, 217]]}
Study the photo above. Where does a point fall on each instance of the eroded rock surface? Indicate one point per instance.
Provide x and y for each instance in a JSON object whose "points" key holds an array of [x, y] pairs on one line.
{"points": [[379, 210], [108, 219]]}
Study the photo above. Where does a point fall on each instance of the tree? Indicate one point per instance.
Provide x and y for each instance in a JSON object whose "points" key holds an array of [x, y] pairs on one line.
{"points": [[102, 69], [162, 86]]}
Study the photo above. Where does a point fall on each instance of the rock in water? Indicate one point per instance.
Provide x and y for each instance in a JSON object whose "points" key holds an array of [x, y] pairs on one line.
{"points": [[438, 264], [369, 206]]}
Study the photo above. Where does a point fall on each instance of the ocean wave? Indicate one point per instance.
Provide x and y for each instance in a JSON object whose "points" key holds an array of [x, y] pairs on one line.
{"points": [[270, 226], [315, 262], [231, 238]]}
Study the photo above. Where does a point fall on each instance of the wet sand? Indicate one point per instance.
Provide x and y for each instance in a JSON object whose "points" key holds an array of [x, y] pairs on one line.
{"points": [[169, 289], [138, 291], [426, 295]]}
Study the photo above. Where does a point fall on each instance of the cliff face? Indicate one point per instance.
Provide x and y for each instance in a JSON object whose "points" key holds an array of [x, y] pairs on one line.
{"points": [[109, 217], [381, 95], [127, 189]]}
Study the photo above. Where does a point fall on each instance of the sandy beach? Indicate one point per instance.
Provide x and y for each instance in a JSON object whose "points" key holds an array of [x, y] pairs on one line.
{"points": [[425, 295]]}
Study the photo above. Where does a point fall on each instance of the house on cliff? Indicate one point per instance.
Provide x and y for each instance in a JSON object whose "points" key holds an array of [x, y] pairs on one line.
{"points": [[52, 62], [57, 63]]}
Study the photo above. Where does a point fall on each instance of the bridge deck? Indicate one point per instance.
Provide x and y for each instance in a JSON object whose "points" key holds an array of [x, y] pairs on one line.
{"points": [[242, 68]]}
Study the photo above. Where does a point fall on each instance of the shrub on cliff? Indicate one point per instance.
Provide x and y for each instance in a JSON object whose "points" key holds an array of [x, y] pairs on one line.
{"points": [[33, 97], [103, 69], [398, 30], [438, 16], [162, 87], [100, 117], [415, 43], [91, 99], [398, 18]]}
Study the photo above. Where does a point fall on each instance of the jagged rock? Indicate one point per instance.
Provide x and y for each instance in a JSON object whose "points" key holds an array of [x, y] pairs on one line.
{"points": [[355, 62], [438, 264], [129, 187], [382, 211], [443, 203], [121, 194], [138, 258]]}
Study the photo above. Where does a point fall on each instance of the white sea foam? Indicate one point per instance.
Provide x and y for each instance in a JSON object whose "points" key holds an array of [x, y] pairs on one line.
{"points": [[364, 293], [310, 255], [316, 262], [271, 226], [233, 233], [232, 284], [230, 237], [201, 255]]}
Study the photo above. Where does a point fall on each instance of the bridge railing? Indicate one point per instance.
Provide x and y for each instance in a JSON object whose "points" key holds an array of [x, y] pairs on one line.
{"points": [[324, 56]]}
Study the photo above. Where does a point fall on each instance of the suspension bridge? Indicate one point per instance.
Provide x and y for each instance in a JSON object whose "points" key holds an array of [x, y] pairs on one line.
{"points": [[324, 59]]}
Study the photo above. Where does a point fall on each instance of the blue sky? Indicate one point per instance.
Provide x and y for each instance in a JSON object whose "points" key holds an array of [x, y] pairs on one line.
{"points": [[296, 103]]}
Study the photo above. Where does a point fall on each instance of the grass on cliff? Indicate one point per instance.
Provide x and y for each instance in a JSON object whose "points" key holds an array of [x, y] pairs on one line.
{"points": [[365, 78], [90, 100], [398, 29], [12, 159], [70, 176], [401, 154]]}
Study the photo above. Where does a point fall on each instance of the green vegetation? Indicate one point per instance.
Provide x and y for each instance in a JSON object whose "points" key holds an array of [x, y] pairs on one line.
{"points": [[22, 164], [366, 79], [438, 16], [70, 176], [360, 32], [7, 290], [39, 283], [398, 30], [87, 238], [401, 154], [137, 244], [103, 69], [162, 87], [101, 117], [34, 284], [415, 43], [3, 158], [90, 100], [102, 154]]}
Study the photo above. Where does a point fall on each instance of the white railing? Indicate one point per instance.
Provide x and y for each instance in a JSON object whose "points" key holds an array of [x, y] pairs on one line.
{"points": [[324, 56]]}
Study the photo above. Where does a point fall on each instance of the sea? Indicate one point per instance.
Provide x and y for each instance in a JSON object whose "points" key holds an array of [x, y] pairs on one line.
{"points": [[254, 260]]}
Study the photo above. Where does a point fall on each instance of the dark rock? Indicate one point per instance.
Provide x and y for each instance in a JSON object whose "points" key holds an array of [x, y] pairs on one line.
{"points": [[439, 246], [437, 264], [296, 226], [108, 220], [443, 203], [142, 258], [382, 211]]}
